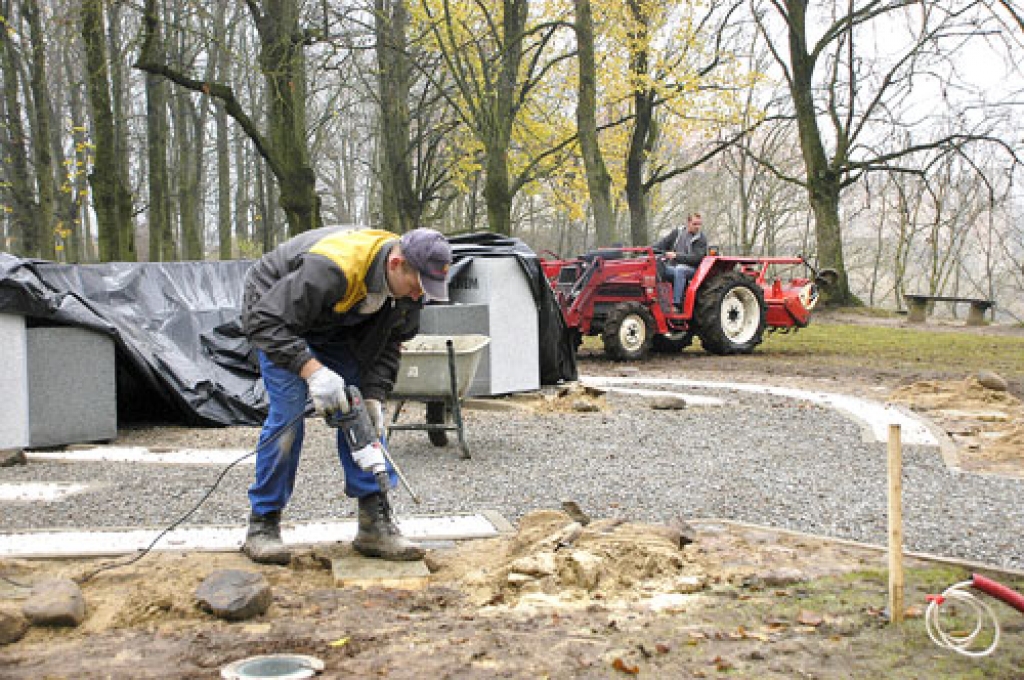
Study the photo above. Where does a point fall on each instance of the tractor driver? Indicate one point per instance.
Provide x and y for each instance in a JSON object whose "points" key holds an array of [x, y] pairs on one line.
{"points": [[685, 248], [328, 307]]}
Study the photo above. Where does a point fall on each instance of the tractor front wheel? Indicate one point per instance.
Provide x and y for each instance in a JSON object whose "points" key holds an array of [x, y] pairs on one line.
{"points": [[628, 332], [731, 314]]}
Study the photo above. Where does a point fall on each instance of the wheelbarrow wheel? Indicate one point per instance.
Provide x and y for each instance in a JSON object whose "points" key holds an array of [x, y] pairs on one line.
{"points": [[437, 414]]}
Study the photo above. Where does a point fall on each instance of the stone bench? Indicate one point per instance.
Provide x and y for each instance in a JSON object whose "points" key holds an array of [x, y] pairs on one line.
{"points": [[918, 306]]}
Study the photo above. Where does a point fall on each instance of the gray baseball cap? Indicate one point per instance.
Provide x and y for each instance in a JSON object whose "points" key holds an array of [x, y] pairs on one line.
{"points": [[430, 255]]}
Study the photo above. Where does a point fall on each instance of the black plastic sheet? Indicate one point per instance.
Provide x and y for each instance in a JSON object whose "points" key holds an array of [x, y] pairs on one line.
{"points": [[181, 355], [179, 358]]}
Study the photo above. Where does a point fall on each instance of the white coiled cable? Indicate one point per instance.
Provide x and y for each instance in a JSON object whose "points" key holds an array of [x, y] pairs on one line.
{"points": [[983, 614]]}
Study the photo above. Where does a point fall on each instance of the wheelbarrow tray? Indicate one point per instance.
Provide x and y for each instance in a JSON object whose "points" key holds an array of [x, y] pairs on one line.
{"points": [[424, 374]]}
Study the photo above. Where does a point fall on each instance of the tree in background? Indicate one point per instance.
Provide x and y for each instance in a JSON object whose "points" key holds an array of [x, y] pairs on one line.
{"points": [[111, 192], [846, 89]]}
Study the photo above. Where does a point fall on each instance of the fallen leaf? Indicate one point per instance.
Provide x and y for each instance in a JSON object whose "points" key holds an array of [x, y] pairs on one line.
{"points": [[340, 642], [622, 667], [662, 648]]}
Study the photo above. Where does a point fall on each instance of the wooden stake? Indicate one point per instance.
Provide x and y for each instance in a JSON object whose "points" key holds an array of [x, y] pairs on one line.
{"points": [[895, 525]]}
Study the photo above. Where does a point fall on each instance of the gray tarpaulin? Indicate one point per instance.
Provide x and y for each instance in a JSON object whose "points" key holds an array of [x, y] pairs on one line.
{"points": [[180, 353]]}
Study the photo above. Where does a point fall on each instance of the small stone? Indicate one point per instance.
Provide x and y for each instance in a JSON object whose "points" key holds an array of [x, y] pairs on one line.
{"points": [[689, 584], [992, 381], [234, 594], [13, 624], [55, 602], [584, 406], [572, 508], [517, 579], [785, 576], [541, 564], [808, 618], [667, 402], [586, 569], [12, 457]]}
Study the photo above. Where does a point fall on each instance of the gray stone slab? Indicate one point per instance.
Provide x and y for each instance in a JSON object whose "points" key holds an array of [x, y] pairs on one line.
{"points": [[71, 386], [14, 433], [511, 361]]}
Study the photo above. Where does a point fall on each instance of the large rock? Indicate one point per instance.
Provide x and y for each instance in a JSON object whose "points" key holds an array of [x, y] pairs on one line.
{"points": [[56, 602], [234, 595], [13, 624], [992, 381]]}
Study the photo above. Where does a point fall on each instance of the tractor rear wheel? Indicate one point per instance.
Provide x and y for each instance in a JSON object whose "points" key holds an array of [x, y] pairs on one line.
{"points": [[731, 314], [628, 332], [670, 343]]}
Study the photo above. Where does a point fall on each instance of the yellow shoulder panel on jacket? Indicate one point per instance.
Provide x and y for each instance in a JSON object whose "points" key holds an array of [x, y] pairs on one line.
{"points": [[352, 252]]}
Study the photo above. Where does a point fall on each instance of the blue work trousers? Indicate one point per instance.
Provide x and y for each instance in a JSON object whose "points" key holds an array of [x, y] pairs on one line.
{"points": [[681, 275], [280, 442]]}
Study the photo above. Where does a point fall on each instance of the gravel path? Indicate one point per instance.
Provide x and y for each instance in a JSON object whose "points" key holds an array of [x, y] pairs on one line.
{"points": [[759, 459]]}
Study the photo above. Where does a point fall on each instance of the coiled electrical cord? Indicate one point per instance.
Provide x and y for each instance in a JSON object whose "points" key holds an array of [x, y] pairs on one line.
{"points": [[962, 643]]}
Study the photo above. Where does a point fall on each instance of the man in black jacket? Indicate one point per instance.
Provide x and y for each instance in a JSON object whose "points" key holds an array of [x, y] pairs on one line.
{"points": [[686, 248], [328, 307]]}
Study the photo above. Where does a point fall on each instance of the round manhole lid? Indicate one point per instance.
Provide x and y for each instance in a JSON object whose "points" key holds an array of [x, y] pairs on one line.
{"points": [[273, 667]]}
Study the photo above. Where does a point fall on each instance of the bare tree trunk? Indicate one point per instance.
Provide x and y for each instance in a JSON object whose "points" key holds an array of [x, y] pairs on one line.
{"points": [[42, 124], [67, 228], [22, 226], [118, 89], [83, 249], [224, 249], [399, 208], [108, 188], [823, 182], [642, 137], [161, 240], [284, 66], [598, 180]]}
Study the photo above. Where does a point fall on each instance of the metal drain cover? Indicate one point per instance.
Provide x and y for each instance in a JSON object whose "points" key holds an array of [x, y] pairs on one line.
{"points": [[273, 667]]}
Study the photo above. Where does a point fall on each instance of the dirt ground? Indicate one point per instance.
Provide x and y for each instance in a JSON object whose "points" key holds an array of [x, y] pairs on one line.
{"points": [[557, 599]]}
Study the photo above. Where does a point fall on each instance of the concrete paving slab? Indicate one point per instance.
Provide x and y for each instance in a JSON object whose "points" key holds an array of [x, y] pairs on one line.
{"points": [[105, 542], [141, 454], [356, 570]]}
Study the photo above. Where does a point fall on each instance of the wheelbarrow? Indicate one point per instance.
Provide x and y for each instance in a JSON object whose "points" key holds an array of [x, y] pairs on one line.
{"points": [[437, 370]]}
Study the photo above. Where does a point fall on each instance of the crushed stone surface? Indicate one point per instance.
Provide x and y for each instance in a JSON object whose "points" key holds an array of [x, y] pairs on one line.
{"points": [[756, 458]]}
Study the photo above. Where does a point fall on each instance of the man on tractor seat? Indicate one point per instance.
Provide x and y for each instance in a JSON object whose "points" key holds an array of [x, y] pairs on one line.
{"points": [[685, 248]]}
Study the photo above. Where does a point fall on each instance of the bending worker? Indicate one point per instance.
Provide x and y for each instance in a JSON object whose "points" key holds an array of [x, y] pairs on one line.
{"points": [[685, 248], [326, 308]]}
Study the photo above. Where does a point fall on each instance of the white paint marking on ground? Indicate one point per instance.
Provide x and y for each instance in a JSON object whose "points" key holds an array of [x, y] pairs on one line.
{"points": [[140, 454], [227, 538], [875, 415], [39, 491]]}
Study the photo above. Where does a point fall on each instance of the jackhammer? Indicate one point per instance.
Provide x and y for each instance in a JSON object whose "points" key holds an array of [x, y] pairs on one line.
{"points": [[358, 429]]}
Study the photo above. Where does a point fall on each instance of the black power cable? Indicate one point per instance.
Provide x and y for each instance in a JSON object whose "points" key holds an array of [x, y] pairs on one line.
{"points": [[145, 551]]}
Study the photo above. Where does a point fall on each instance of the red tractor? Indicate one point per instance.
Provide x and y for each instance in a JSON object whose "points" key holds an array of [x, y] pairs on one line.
{"points": [[623, 295]]}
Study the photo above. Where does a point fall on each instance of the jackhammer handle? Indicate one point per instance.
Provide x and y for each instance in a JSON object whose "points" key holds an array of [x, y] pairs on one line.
{"points": [[998, 591]]}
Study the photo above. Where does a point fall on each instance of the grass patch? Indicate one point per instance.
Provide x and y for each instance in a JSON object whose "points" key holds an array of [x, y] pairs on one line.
{"points": [[904, 348]]}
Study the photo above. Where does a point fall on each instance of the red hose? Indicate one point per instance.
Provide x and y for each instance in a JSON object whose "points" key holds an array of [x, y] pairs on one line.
{"points": [[999, 591]]}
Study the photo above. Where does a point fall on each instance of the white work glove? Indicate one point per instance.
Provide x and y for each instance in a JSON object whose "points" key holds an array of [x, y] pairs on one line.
{"points": [[370, 458], [327, 389], [375, 409]]}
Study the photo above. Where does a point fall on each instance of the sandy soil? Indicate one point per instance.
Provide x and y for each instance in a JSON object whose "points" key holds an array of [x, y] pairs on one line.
{"points": [[557, 599]]}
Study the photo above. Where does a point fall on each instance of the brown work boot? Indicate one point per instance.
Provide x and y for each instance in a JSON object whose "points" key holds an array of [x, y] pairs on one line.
{"points": [[263, 540], [378, 535]]}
